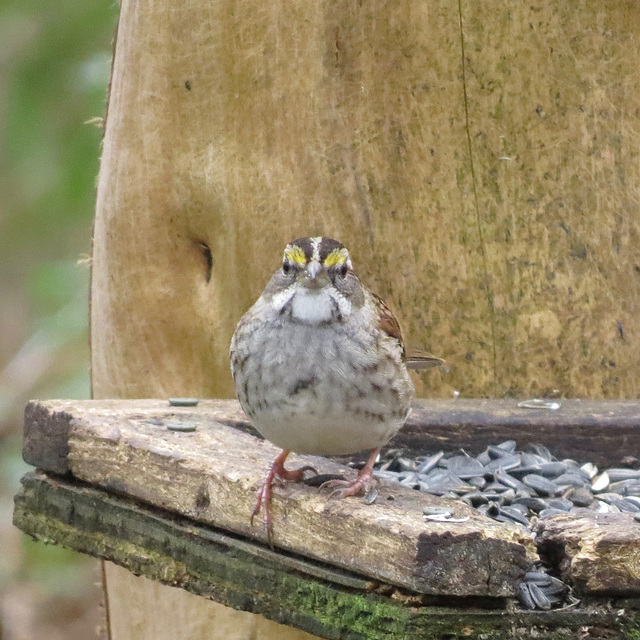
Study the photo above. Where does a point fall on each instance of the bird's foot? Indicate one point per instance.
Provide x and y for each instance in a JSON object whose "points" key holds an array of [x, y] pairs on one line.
{"points": [[362, 484], [343, 488], [277, 473]]}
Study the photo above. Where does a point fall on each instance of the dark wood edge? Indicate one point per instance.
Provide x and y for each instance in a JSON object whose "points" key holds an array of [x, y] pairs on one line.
{"points": [[180, 553], [46, 438], [598, 431]]}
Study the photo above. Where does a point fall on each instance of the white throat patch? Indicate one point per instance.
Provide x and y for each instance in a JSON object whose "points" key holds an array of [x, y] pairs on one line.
{"points": [[313, 306]]}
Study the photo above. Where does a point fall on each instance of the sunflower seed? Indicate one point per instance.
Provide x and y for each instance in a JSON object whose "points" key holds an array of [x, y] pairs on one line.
{"points": [[525, 470], [511, 486], [404, 464], [386, 475], [508, 445], [521, 508], [539, 597], [430, 462], [625, 487], [533, 504], [525, 596], [371, 496], [184, 427], [600, 483], [475, 498], [514, 514], [321, 478], [549, 511], [603, 507], [432, 510], [183, 402], [444, 483], [590, 469], [464, 467], [560, 503], [497, 487], [479, 482], [543, 452], [508, 496], [539, 403], [616, 475], [572, 479], [508, 481], [553, 469], [555, 587], [531, 459], [538, 577], [580, 496], [446, 518], [624, 506], [498, 452], [411, 481], [541, 485], [505, 462]]}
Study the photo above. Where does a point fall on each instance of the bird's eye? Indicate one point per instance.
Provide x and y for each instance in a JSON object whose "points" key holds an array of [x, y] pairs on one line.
{"points": [[286, 267], [343, 270]]}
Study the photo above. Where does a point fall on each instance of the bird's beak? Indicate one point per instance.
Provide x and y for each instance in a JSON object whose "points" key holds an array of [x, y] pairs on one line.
{"points": [[315, 276], [313, 269]]}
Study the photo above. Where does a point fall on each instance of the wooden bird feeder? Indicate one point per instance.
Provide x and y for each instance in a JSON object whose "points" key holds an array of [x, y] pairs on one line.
{"points": [[166, 492]]}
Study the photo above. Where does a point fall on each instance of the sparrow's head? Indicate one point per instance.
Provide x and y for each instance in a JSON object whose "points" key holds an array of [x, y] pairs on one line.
{"points": [[316, 262], [316, 280]]}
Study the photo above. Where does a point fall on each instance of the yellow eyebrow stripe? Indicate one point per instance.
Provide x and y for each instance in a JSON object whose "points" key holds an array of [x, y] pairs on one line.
{"points": [[295, 254], [337, 256]]}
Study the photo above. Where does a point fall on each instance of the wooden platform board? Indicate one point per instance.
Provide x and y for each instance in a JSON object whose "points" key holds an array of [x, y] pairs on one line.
{"points": [[117, 483], [211, 475], [246, 576]]}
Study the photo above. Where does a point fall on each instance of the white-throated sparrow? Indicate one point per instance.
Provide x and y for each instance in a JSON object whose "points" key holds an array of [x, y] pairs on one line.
{"points": [[319, 364]]}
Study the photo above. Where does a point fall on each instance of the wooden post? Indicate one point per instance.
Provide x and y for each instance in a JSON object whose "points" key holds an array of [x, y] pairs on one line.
{"points": [[477, 159]]}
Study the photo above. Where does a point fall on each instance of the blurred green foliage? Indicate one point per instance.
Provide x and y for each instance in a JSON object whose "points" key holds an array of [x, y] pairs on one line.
{"points": [[54, 69]]}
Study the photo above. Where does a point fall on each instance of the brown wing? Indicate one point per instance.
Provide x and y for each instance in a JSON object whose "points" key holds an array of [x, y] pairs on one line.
{"points": [[387, 322]]}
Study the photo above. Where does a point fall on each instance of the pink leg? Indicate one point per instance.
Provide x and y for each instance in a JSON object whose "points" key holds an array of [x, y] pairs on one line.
{"points": [[362, 483], [277, 472]]}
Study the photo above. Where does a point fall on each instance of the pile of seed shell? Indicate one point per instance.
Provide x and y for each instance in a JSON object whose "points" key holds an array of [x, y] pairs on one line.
{"points": [[515, 486]]}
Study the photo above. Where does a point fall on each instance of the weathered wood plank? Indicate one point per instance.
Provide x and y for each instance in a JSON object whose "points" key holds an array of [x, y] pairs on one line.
{"points": [[597, 553], [433, 425], [569, 432], [211, 475], [177, 551]]}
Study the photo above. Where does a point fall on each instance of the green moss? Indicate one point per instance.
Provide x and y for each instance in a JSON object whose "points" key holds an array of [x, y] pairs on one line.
{"points": [[177, 552]]}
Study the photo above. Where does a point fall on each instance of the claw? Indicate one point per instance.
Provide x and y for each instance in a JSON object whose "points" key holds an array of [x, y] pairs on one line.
{"points": [[341, 488], [362, 484], [279, 474]]}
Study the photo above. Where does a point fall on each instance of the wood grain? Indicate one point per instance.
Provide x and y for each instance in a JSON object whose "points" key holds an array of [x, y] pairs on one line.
{"points": [[191, 615], [586, 430], [171, 550], [596, 553], [433, 425], [212, 473], [484, 179]]}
